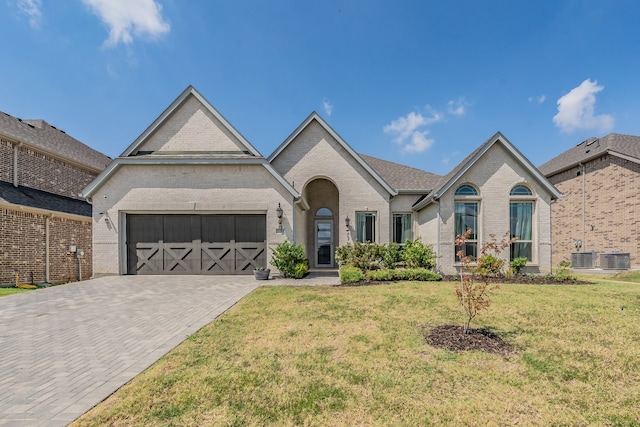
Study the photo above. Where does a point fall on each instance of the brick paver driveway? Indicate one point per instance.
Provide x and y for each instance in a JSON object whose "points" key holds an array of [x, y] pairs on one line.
{"points": [[64, 349]]}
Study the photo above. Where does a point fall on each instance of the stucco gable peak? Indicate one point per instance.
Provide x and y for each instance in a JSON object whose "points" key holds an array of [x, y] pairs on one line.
{"points": [[189, 93]]}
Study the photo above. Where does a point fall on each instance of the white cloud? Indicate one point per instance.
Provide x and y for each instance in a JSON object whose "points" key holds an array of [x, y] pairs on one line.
{"points": [[538, 99], [457, 108], [410, 132], [32, 9], [576, 109], [328, 107], [124, 17]]}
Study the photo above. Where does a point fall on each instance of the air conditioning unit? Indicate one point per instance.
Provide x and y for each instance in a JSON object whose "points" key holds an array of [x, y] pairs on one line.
{"points": [[583, 259], [615, 260]]}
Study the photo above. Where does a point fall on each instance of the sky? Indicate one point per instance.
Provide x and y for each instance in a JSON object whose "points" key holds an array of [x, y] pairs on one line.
{"points": [[421, 83]]}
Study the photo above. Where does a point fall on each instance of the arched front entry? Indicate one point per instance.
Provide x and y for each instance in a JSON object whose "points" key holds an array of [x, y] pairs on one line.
{"points": [[321, 222]]}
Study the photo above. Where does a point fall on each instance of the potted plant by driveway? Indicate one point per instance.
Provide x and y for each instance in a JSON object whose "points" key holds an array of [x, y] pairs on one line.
{"points": [[261, 273]]}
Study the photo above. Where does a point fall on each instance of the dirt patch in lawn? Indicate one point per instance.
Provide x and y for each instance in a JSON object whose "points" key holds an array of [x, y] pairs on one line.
{"points": [[453, 338]]}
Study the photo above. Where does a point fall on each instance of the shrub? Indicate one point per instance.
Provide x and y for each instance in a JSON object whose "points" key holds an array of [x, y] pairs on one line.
{"points": [[563, 272], [350, 274], [518, 264], [365, 256], [416, 254], [383, 275], [392, 255], [300, 270], [288, 257], [489, 265], [416, 274]]}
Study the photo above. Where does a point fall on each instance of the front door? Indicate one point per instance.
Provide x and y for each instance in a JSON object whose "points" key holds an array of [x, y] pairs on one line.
{"points": [[324, 243]]}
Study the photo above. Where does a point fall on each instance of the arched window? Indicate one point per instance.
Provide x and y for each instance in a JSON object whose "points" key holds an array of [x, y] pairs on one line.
{"points": [[466, 190], [521, 190], [466, 212], [324, 212], [521, 222]]}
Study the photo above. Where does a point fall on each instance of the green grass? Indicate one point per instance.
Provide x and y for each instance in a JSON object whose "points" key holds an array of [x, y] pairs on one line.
{"points": [[11, 291], [357, 356], [628, 276]]}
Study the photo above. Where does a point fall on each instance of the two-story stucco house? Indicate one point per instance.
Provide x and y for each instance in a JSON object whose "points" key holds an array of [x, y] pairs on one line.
{"points": [[192, 196]]}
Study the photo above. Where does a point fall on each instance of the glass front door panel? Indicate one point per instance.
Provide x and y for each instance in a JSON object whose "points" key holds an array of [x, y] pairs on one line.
{"points": [[324, 243]]}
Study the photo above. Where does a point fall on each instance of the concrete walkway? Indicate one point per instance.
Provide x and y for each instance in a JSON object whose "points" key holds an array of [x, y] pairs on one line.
{"points": [[66, 348]]}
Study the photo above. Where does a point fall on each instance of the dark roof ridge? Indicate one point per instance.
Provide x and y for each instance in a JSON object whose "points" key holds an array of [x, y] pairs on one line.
{"points": [[590, 148], [44, 137]]}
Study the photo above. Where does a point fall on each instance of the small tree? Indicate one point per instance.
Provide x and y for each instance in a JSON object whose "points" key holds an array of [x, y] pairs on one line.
{"points": [[474, 296]]}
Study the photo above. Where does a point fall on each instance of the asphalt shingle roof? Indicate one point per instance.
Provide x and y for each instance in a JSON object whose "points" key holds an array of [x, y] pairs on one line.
{"points": [[41, 135], [626, 145], [30, 197], [402, 177]]}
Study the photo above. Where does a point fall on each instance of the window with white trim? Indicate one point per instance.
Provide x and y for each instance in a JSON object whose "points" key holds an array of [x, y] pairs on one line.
{"points": [[521, 222], [365, 227], [466, 211], [402, 227]]}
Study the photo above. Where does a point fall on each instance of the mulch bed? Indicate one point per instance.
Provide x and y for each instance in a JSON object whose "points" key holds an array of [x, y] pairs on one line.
{"points": [[526, 280], [518, 280], [453, 338]]}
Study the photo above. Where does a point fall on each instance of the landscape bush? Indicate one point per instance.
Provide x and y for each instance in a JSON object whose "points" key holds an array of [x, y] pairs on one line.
{"points": [[518, 264], [351, 275], [289, 258], [365, 256], [373, 256], [416, 254]]}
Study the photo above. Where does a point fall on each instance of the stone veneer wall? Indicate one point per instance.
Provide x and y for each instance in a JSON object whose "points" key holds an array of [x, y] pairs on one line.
{"points": [[23, 247], [612, 205]]}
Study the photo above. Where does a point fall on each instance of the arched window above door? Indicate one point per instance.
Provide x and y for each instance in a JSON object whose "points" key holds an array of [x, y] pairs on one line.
{"points": [[324, 212]]}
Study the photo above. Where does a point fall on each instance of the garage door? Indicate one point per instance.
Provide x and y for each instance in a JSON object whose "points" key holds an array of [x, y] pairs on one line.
{"points": [[195, 244]]}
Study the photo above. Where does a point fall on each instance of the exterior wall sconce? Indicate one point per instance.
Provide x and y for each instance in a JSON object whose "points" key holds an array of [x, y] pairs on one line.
{"points": [[280, 229], [578, 244], [347, 221]]}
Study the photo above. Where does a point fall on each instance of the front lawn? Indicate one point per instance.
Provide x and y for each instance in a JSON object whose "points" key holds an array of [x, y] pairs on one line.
{"points": [[11, 291], [358, 356]]}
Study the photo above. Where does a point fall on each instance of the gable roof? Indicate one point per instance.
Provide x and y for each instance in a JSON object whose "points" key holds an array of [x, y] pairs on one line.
{"points": [[625, 146], [403, 178], [449, 179], [315, 116], [129, 157], [186, 94], [43, 137]]}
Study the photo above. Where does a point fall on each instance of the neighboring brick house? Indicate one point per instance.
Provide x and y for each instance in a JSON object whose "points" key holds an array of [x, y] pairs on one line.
{"points": [[600, 207], [42, 172], [192, 196]]}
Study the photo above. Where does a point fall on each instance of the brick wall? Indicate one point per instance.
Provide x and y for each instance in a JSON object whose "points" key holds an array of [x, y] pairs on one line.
{"points": [[494, 174], [6, 161], [37, 170], [22, 247], [611, 205]]}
